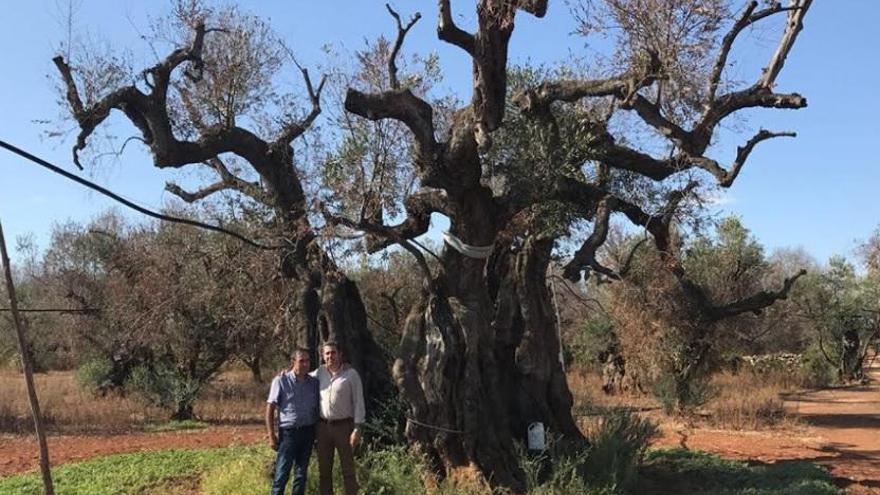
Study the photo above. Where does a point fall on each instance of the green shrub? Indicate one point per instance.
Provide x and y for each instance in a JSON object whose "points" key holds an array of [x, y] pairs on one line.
{"points": [[675, 398], [94, 374], [248, 473], [160, 385], [816, 371], [589, 345], [565, 476], [391, 471], [617, 447], [386, 425]]}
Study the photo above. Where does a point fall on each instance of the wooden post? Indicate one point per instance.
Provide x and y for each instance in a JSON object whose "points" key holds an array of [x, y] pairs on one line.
{"points": [[28, 370]]}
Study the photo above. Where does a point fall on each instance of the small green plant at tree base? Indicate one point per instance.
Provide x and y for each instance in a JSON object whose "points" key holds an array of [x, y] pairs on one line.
{"points": [[617, 446]]}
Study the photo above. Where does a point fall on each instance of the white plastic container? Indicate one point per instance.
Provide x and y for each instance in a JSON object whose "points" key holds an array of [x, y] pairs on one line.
{"points": [[536, 440]]}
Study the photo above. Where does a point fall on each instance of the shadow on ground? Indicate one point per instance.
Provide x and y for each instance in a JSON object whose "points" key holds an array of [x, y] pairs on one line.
{"points": [[679, 471]]}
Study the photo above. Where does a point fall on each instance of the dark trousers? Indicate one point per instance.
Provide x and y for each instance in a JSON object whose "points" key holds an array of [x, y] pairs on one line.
{"points": [[294, 450], [334, 437]]}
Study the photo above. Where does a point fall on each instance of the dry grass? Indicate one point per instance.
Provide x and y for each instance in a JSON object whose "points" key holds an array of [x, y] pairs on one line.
{"points": [[68, 409], [591, 403], [233, 398], [586, 388], [744, 401]]}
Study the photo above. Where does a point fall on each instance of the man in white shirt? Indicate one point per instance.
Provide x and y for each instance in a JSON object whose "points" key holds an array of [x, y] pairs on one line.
{"points": [[342, 416]]}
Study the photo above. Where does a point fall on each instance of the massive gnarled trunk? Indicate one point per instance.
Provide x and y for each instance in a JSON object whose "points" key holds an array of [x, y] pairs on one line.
{"points": [[480, 359], [527, 341]]}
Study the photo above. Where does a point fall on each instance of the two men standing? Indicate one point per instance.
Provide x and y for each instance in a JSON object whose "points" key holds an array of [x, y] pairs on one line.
{"points": [[328, 404]]}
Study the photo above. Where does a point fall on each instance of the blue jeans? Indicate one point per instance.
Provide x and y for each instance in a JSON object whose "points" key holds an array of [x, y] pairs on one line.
{"points": [[294, 450]]}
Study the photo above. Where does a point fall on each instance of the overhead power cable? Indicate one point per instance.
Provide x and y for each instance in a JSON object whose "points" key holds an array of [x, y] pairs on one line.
{"points": [[110, 194]]}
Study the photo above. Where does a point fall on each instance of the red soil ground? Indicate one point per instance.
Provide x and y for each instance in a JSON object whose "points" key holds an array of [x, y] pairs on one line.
{"points": [[19, 454], [841, 432]]}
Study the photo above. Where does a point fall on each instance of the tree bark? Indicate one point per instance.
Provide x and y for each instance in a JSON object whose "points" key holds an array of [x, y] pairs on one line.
{"points": [[481, 342], [256, 369], [850, 357], [528, 346], [184, 412]]}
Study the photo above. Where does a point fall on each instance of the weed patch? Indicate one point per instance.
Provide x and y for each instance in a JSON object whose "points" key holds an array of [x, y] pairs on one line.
{"points": [[699, 473]]}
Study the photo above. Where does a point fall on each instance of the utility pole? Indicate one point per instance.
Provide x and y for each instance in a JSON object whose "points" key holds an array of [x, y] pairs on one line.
{"points": [[28, 369]]}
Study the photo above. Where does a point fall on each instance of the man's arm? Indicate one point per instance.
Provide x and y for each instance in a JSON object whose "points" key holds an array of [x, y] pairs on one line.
{"points": [[271, 407], [270, 425], [357, 392]]}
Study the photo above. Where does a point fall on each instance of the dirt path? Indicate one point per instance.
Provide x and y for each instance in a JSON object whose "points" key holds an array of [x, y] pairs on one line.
{"points": [[842, 432], [19, 454]]}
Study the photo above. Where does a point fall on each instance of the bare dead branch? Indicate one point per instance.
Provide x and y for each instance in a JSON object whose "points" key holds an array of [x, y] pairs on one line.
{"points": [[650, 113], [419, 207], [389, 235], [792, 28], [192, 197], [727, 104], [89, 119], [401, 105], [727, 177], [293, 130], [401, 34], [747, 18], [623, 87], [149, 113], [161, 72], [585, 257], [755, 303], [537, 8], [447, 30]]}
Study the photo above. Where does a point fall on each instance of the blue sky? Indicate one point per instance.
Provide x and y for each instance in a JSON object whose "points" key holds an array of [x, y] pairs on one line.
{"points": [[816, 191]]}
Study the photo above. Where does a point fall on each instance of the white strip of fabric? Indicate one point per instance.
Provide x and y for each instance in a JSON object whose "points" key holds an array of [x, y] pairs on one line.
{"points": [[476, 252]]}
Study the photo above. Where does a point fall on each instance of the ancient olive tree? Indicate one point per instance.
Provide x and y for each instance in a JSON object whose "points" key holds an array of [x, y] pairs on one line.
{"points": [[654, 321], [90, 268], [483, 338], [210, 104], [842, 307], [512, 168]]}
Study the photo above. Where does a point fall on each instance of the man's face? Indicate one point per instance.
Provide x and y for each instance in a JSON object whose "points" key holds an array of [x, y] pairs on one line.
{"points": [[301, 364], [331, 356]]}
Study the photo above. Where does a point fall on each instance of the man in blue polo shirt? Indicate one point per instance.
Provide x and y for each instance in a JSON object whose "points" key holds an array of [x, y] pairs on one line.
{"points": [[294, 395]]}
